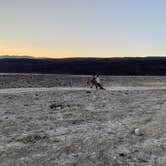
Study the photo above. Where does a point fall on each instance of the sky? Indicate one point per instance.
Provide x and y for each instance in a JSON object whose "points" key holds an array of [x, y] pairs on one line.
{"points": [[83, 28]]}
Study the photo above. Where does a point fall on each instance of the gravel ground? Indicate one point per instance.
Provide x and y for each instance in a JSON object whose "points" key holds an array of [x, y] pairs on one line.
{"points": [[82, 127]]}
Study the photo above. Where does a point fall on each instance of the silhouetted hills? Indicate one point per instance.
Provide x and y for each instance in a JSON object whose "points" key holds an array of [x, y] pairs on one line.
{"points": [[83, 66], [18, 57]]}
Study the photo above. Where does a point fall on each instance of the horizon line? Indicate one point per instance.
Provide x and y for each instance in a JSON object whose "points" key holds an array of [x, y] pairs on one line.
{"points": [[81, 57]]}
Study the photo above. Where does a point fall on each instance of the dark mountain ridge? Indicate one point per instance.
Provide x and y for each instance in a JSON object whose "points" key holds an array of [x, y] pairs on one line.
{"points": [[85, 66]]}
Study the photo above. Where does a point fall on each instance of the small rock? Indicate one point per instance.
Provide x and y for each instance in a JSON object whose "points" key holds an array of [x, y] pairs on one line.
{"points": [[121, 154], [56, 106], [138, 132], [10, 97]]}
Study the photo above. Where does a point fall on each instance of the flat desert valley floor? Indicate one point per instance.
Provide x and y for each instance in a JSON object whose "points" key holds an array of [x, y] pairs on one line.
{"points": [[56, 120]]}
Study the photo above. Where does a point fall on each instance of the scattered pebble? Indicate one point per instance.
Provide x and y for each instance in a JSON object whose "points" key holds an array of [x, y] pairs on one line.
{"points": [[138, 132]]}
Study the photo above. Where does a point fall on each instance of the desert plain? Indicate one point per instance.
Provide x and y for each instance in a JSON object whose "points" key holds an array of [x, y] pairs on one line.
{"points": [[56, 120]]}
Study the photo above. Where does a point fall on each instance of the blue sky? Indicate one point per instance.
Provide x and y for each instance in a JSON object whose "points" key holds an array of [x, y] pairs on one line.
{"points": [[83, 28]]}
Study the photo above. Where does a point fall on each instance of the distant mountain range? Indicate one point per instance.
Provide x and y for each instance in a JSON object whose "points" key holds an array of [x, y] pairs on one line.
{"points": [[18, 57], [84, 66]]}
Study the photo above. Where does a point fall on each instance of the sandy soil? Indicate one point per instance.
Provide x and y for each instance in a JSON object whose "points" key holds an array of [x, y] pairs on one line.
{"points": [[83, 127]]}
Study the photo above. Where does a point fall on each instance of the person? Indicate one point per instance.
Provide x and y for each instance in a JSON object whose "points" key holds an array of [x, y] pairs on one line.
{"points": [[95, 81], [98, 84]]}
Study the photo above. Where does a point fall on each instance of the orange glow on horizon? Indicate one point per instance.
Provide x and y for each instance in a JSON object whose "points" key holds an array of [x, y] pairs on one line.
{"points": [[21, 50]]}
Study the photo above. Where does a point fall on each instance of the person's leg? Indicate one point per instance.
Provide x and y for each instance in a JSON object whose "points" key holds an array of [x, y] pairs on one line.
{"points": [[97, 86], [100, 86]]}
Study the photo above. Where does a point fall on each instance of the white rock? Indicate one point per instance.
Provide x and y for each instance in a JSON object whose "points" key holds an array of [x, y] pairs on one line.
{"points": [[137, 132]]}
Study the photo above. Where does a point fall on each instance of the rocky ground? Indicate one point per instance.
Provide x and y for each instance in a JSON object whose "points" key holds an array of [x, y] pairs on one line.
{"points": [[120, 127]]}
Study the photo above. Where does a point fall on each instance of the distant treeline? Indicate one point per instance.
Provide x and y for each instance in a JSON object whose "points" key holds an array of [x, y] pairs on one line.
{"points": [[86, 66]]}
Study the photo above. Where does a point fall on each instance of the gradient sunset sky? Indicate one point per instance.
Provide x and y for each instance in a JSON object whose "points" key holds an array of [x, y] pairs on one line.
{"points": [[83, 28]]}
